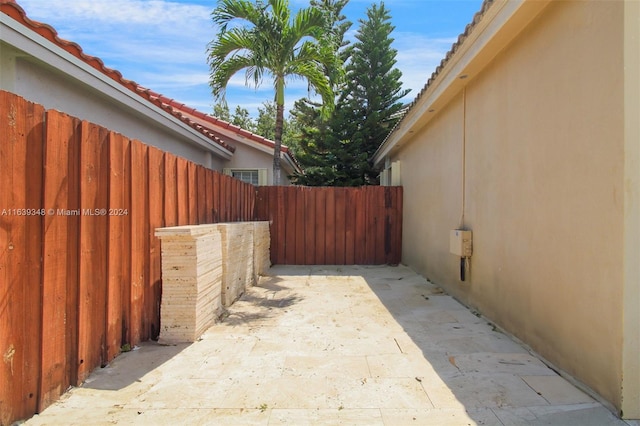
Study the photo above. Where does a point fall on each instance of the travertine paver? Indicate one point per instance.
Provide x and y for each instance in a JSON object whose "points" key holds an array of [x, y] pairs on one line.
{"points": [[334, 345]]}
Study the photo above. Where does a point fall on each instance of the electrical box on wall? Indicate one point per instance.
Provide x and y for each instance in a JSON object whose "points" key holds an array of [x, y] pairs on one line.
{"points": [[460, 243]]}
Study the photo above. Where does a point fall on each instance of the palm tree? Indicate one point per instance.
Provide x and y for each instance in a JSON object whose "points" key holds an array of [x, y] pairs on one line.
{"points": [[268, 40]]}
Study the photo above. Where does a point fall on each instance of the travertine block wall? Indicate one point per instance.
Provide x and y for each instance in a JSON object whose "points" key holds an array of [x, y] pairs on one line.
{"points": [[204, 268], [237, 263], [261, 245], [191, 285]]}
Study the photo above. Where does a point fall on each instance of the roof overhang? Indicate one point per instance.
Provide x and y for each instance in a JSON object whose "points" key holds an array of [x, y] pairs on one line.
{"points": [[498, 26], [237, 135], [36, 46]]}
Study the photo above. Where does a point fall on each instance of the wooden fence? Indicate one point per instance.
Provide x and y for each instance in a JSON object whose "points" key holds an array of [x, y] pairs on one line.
{"points": [[79, 264], [333, 226]]}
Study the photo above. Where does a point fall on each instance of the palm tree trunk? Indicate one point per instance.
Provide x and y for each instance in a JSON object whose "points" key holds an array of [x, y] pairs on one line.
{"points": [[278, 133]]}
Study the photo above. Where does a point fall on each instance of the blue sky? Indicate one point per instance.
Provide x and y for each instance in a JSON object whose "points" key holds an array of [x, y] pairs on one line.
{"points": [[161, 44]]}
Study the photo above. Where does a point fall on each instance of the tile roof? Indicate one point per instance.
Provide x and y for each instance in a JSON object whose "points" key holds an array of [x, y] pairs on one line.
{"points": [[210, 119], [173, 107], [486, 4]]}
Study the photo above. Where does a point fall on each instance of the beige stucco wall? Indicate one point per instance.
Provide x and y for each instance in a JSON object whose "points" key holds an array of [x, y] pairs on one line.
{"points": [[538, 139], [252, 157], [631, 299]]}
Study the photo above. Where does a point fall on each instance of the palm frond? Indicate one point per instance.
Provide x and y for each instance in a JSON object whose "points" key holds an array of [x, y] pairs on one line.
{"points": [[231, 10], [220, 77]]}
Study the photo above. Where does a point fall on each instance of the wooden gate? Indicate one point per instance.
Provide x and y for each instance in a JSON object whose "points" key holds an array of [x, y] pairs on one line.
{"points": [[333, 226]]}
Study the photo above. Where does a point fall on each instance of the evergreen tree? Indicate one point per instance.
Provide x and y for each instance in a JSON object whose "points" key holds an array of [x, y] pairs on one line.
{"points": [[313, 140], [311, 145], [265, 124], [372, 102], [338, 152], [221, 111], [242, 119]]}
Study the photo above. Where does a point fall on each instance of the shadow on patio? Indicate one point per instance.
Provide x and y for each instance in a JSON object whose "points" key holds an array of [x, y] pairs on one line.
{"points": [[335, 345]]}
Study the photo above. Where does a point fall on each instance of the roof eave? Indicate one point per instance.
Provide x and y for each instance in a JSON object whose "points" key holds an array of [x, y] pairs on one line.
{"points": [[498, 25]]}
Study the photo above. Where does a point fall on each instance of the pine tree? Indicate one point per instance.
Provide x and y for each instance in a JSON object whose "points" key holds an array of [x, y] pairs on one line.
{"points": [[313, 140], [371, 103], [338, 152]]}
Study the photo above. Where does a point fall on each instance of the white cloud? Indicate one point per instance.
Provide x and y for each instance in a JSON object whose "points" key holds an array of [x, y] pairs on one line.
{"points": [[164, 15], [151, 29], [417, 58], [161, 44], [157, 81]]}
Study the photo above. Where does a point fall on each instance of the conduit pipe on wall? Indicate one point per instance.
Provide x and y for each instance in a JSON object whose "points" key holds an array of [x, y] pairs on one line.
{"points": [[465, 263]]}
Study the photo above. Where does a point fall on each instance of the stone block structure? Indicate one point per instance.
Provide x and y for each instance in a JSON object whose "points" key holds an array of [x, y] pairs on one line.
{"points": [[204, 269]]}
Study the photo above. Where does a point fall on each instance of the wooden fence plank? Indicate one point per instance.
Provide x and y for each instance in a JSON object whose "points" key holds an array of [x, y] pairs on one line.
{"points": [[290, 225], [20, 258], [119, 246], [380, 209], [330, 226], [360, 231], [370, 224], [299, 226], [281, 219], [60, 257], [310, 226], [267, 203], [170, 190], [229, 198], [214, 182], [222, 195], [225, 208], [201, 188], [261, 204], [320, 226], [252, 203], [208, 195], [156, 220], [182, 188], [340, 231], [349, 232], [236, 196], [192, 181], [139, 216], [94, 176]]}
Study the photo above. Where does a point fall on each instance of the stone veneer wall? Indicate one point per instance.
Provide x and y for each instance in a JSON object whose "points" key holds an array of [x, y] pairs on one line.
{"points": [[237, 259], [261, 245], [204, 268]]}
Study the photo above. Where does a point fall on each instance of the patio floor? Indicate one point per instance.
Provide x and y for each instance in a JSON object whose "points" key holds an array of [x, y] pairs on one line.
{"points": [[334, 345]]}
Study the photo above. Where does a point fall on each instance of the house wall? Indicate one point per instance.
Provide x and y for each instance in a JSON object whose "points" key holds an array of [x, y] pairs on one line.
{"points": [[631, 299], [532, 152], [247, 157], [43, 84]]}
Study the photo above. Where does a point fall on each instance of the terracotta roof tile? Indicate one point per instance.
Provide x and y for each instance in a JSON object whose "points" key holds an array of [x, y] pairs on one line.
{"points": [[454, 48]]}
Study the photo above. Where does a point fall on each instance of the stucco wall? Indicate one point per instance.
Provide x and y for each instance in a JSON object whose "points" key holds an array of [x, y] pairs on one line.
{"points": [[247, 157], [541, 129]]}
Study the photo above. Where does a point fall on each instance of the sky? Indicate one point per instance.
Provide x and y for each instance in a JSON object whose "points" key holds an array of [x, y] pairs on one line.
{"points": [[162, 44]]}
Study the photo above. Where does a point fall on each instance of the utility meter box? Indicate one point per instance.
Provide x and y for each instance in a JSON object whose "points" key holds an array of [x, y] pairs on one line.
{"points": [[460, 243]]}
